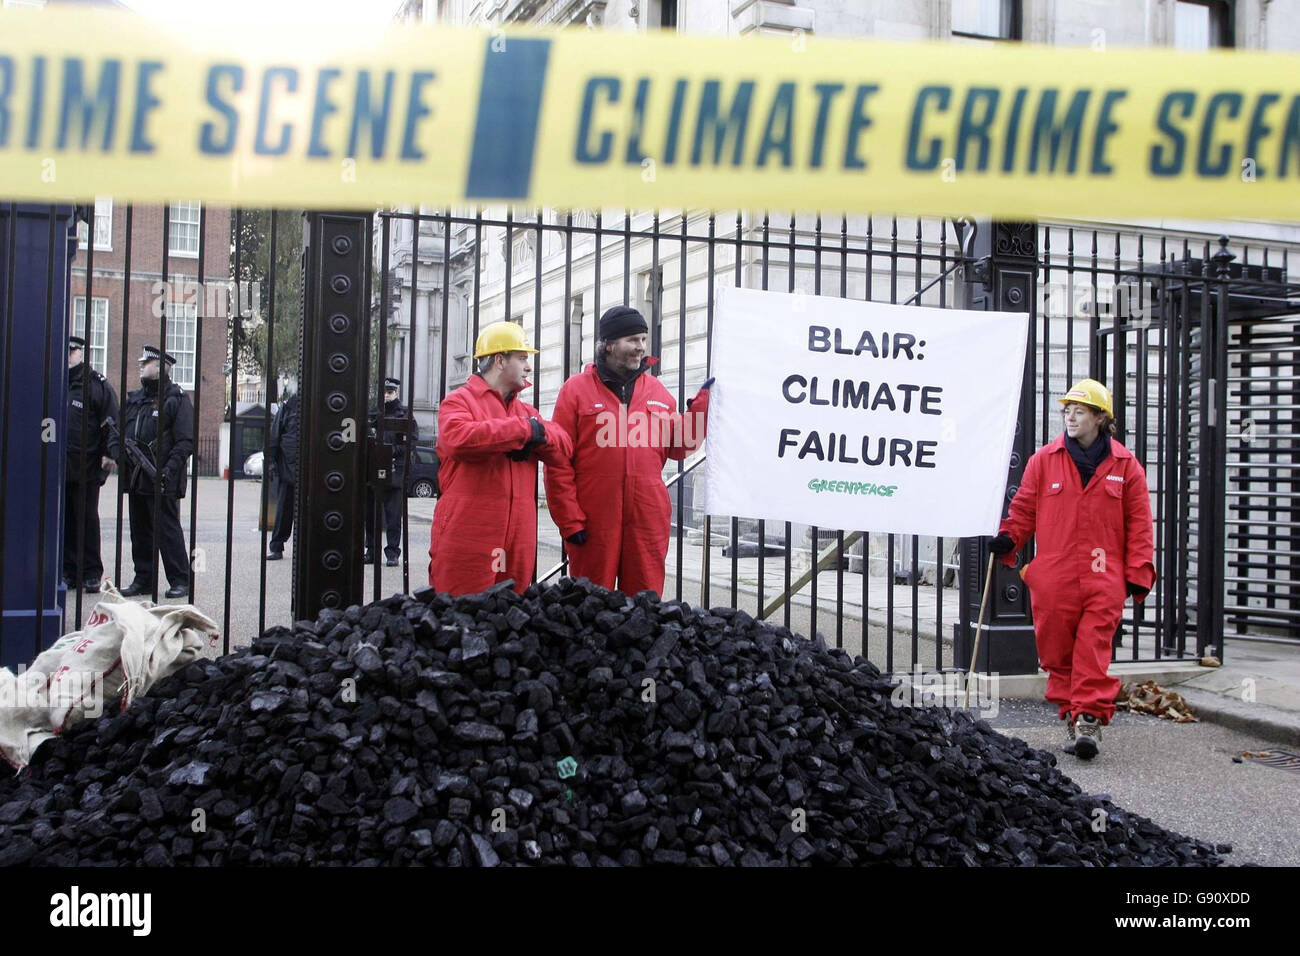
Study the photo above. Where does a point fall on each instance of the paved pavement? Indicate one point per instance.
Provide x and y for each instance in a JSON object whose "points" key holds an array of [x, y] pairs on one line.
{"points": [[1182, 776], [247, 615], [1257, 690]]}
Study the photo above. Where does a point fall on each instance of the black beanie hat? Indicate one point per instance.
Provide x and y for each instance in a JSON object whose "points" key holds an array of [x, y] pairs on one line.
{"points": [[621, 320]]}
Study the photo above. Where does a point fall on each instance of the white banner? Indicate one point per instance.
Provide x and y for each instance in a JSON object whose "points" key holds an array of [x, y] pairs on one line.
{"points": [[860, 415]]}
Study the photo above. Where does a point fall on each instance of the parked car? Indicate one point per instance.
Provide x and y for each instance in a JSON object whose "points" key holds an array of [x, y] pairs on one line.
{"points": [[253, 465], [422, 478]]}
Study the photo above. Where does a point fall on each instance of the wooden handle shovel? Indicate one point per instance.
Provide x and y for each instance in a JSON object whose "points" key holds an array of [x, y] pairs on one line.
{"points": [[979, 630]]}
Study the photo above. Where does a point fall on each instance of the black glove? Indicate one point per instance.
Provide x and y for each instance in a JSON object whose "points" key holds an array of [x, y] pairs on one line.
{"points": [[1002, 544], [1136, 590], [578, 537], [538, 437], [169, 482], [539, 432]]}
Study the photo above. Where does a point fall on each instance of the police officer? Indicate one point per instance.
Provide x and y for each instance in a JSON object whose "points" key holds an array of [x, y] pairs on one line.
{"points": [[157, 440], [92, 445], [392, 488], [285, 434]]}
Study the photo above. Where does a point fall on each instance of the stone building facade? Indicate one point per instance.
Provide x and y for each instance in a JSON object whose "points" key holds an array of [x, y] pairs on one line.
{"points": [[496, 266]]}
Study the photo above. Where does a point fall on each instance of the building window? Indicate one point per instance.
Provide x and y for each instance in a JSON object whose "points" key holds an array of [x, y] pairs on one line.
{"points": [[575, 334], [661, 14], [103, 227], [1202, 24], [981, 21], [97, 341], [651, 286], [183, 230], [465, 310], [182, 337]]}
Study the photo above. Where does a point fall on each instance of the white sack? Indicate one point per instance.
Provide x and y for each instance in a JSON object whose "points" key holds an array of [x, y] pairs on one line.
{"points": [[125, 646]]}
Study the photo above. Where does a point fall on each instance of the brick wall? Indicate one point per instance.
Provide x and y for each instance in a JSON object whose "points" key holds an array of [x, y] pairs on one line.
{"points": [[141, 324]]}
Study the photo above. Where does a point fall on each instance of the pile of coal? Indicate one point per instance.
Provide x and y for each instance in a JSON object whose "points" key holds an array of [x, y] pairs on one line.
{"points": [[570, 725]]}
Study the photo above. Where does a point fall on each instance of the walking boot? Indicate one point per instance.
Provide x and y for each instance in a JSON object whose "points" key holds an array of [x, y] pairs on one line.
{"points": [[1088, 743]]}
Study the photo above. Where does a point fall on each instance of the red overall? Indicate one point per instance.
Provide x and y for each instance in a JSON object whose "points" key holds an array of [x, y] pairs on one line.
{"points": [[613, 487], [485, 523], [1088, 543]]}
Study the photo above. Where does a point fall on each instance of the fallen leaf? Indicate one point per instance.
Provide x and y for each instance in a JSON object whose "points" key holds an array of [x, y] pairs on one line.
{"points": [[1150, 698]]}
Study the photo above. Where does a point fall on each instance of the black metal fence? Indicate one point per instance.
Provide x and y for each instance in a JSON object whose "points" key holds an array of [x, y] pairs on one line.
{"points": [[207, 457], [1195, 340], [1192, 408], [1263, 478]]}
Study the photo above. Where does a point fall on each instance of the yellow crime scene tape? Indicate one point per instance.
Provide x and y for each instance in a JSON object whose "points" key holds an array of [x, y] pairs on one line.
{"points": [[110, 104]]}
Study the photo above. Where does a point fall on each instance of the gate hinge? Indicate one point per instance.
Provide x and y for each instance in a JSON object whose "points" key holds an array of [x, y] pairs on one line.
{"points": [[980, 270]]}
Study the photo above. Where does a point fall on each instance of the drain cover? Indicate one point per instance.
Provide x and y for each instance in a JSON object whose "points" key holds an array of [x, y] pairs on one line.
{"points": [[1282, 759]]}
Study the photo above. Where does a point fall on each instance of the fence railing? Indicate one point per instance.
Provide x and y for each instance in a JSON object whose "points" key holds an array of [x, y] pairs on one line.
{"points": [[207, 457], [890, 597]]}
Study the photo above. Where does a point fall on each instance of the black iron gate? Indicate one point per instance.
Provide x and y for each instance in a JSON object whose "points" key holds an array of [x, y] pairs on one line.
{"points": [[1203, 370], [1263, 478], [1201, 351]]}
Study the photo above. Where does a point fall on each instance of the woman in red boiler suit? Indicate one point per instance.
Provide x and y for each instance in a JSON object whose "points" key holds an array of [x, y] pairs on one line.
{"points": [[1084, 499]]}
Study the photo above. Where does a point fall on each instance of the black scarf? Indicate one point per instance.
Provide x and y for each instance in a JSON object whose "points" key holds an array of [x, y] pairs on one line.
{"points": [[1087, 459], [621, 384]]}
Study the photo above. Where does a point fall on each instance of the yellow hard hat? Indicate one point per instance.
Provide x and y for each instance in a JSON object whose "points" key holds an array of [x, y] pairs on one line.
{"points": [[500, 337], [1090, 392]]}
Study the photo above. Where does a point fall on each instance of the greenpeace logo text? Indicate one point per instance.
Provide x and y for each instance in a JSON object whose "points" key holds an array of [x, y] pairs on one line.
{"points": [[75, 909], [851, 487]]}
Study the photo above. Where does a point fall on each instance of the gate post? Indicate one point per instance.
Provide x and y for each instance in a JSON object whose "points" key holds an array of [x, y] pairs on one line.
{"points": [[1213, 505], [1001, 275], [36, 249], [333, 370]]}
